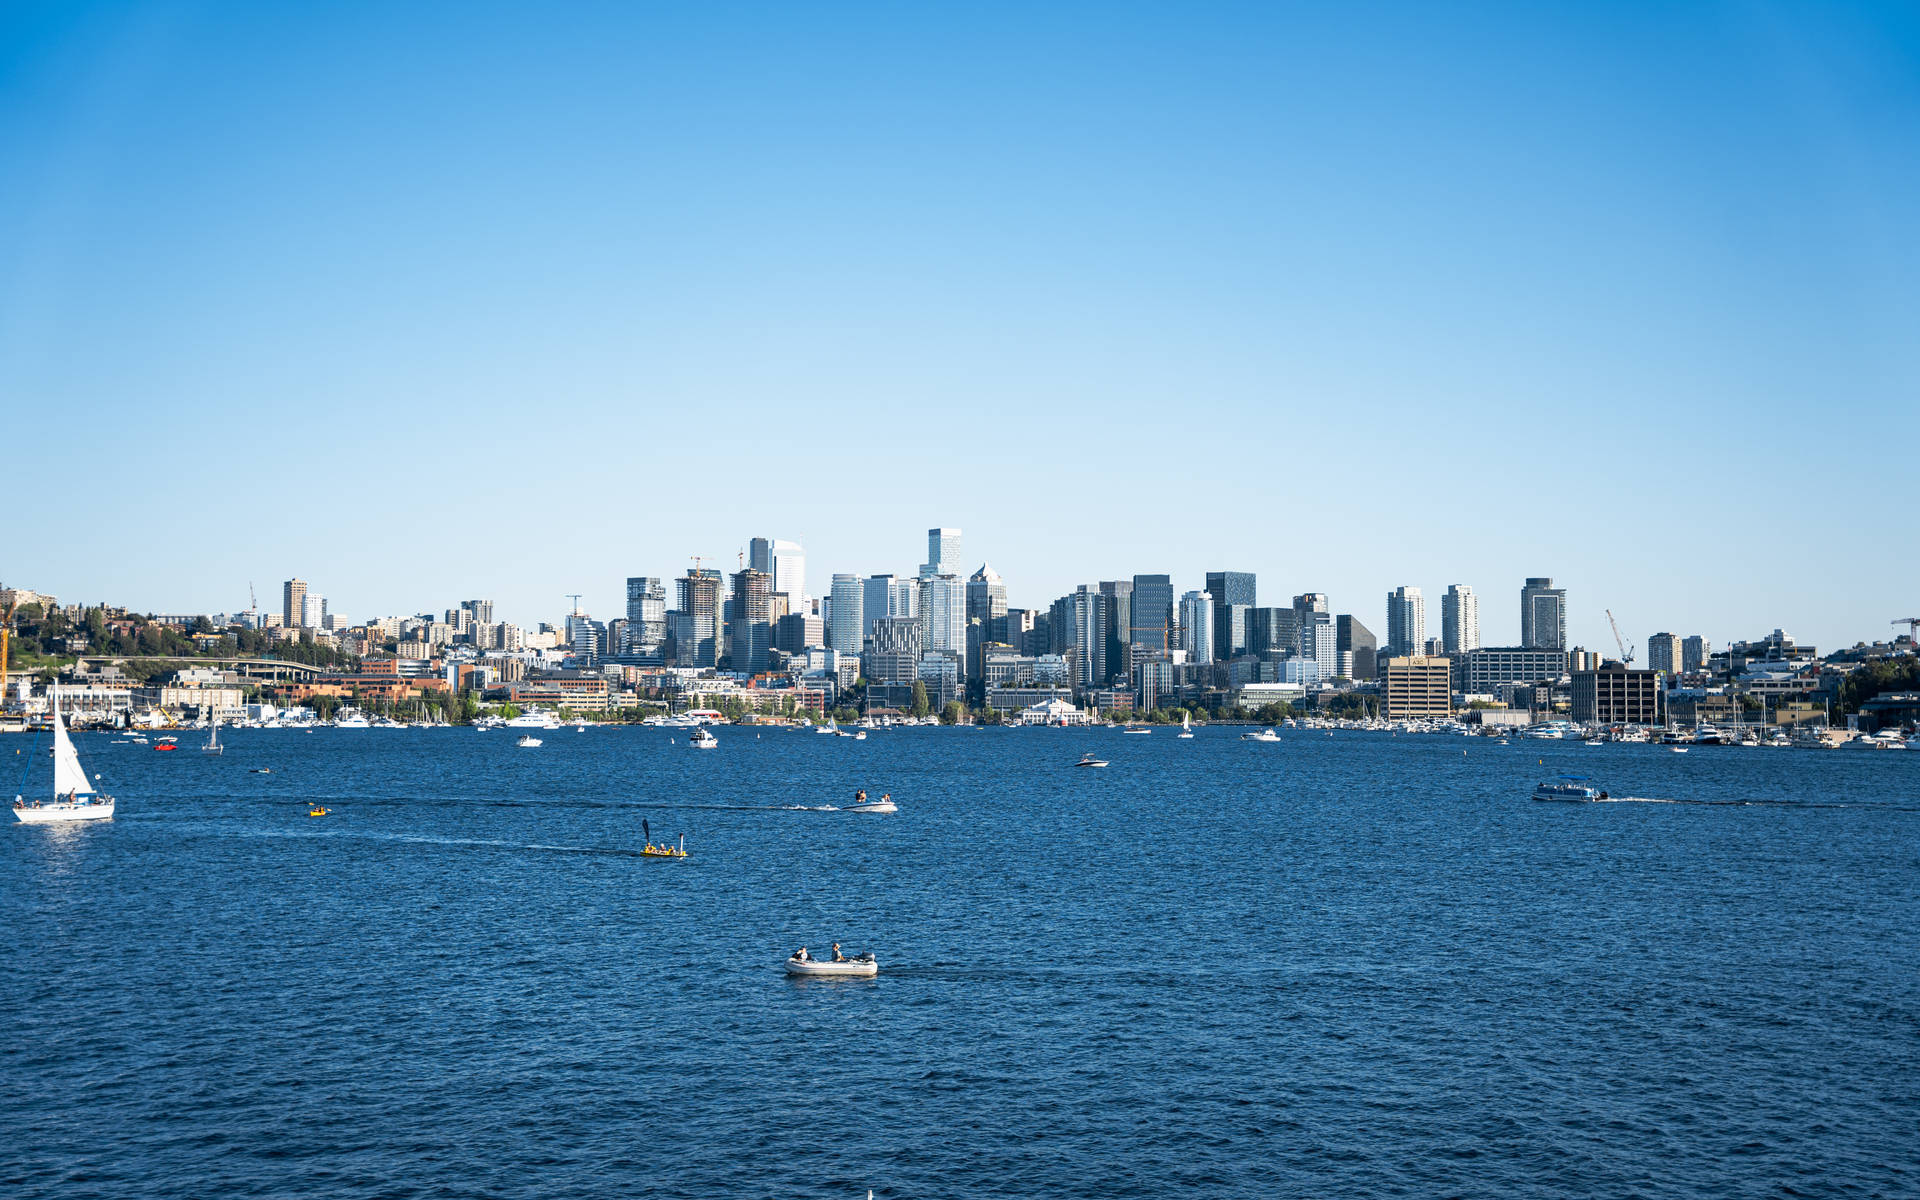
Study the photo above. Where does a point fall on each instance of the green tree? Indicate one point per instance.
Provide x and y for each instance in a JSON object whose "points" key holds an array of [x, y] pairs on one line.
{"points": [[921, 706], [952, 713]]}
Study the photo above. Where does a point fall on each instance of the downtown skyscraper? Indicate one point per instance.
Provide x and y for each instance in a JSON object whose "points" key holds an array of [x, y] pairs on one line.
{"points": [[1543, 615], [1459, 619], [1406, 621]]}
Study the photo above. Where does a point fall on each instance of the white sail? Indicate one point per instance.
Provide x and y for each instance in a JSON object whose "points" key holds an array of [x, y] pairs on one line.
{"points": [[68, 775]]}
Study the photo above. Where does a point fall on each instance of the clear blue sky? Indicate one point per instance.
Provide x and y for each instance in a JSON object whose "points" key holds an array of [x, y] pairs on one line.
{"points": [[428, 302]]}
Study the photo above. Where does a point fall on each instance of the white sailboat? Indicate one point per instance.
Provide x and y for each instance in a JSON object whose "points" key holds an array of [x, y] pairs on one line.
{"points": [[73, 796], [213, 745], [1186, 726]]}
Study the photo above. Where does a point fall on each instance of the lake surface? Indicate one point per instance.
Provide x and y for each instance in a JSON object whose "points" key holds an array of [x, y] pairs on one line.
{"points": [[1349, 965]]}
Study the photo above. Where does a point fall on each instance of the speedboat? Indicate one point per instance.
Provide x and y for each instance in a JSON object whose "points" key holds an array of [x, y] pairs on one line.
{"points": [[1261, 735], [528, 740], [702, 739], [1088, 760], [1569, 788], [884, 804], [862, 966]]}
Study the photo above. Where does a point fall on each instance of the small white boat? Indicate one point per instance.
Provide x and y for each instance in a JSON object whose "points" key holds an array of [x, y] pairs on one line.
{"points": [[1088, 760], [1132, 730], [213, 745], [1261, 735], [528, 741], [1678, 749], [73, 796], [1186, 726], [884, 804], [862, 966], [702, 739]]}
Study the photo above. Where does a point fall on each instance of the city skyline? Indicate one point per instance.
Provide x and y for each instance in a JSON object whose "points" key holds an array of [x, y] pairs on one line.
{"points": [[1371, 267]]}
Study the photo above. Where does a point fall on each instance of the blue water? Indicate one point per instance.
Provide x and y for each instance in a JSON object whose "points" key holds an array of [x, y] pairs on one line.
{"points": [[1355, 965]]}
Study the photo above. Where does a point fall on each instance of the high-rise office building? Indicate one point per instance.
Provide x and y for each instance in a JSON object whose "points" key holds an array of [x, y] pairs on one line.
{"points": [[694, 624], [646, 614], [1543, 616], [1272, 631], [1406, 621], [1694, 652], [480, 611], [847, 624], [1086, 639], [1664, 654], [313, 610], [943, 612], [1459, 619], [1150, 613], [1230, 589], [1116, 626], [1350, 637], [293, 608], [785, 563], [986, 596], [893, 650], [1319, 641], [1196, 626], [943, 553], [750, 623]]}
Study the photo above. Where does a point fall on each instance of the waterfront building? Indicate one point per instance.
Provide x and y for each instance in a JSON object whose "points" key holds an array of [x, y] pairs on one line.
{"points": [[1459, 619], [1196, 626], [1664, 654], [1482, 671], [1694, 653], [1230, 589], [1417, 686], [1150, 613], [1406, 621], [846, 614], [1352, 638], [1614, 694], [1543, 615], [943, 553], [293, 603]]}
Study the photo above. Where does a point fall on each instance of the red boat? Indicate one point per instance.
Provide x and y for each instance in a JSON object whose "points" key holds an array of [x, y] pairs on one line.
{"points": [[167, 746]]}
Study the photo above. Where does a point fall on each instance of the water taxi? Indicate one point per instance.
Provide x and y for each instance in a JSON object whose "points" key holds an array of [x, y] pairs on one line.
{"points": [[1570, 788]]}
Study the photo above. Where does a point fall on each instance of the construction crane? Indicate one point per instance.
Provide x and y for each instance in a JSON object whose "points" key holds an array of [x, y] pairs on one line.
{"points": [[1626, 651], [575, 597], [1912, 624]]}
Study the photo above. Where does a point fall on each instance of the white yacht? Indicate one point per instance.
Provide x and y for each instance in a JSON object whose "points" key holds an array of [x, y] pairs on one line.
{"points": [[535, 718], [1267, 734], [703, 739], [351, 718], [74, 798]]}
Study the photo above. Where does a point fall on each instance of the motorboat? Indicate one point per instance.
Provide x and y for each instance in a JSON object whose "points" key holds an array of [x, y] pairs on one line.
{"points": [[703, 739], [1136, 729], [1269, 734], [1088, 760], [1570, 788], [74, 798], [861, 966], [884, 804], [527, 741], [167, 744]]}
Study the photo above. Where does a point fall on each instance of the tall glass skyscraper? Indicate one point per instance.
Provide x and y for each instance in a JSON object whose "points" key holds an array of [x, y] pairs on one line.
{"points": [[846, 615], [1150, 612], [943, 553], [1196, 626], [1459, 619], [646, 613], [1406, 621], [1543, 615], [943, 611], [1230, 589]]}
